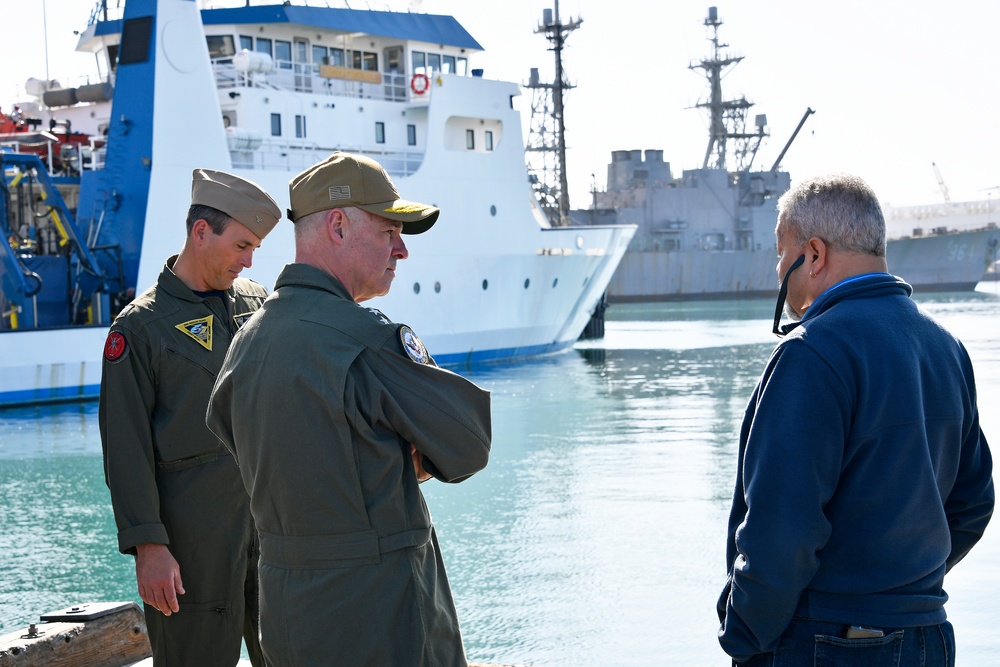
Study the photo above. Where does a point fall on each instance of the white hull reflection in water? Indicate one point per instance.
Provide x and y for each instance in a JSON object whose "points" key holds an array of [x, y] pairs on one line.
{"points": [[595, 537]]}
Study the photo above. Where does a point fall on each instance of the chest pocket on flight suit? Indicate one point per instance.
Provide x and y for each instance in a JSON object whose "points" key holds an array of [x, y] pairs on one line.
{"points": [[184, 377]]}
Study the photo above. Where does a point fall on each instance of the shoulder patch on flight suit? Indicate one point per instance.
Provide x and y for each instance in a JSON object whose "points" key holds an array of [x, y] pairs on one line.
{"points": [[200, 330], [115, 347], [413, 346]]}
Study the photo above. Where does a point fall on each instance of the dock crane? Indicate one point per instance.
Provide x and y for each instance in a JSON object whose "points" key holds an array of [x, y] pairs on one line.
{"points": [[944, 188]]}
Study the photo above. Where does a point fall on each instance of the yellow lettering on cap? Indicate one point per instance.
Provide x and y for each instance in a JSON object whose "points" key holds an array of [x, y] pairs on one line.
{"points": [[410, 208]]}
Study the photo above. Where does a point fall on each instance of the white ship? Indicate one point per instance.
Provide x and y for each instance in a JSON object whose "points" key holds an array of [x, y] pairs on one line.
{"points": [[264, 91]]}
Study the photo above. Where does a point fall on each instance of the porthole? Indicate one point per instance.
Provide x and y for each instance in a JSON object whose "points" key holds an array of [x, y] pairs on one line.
{"points": [[493, 211], [555, 281], [437, 288], [579, 242], [527, 281], [416, 288], [485, 283]]}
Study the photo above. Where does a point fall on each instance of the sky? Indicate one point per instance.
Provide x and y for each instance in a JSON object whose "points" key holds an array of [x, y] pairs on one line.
{"points": [[896, 87]]}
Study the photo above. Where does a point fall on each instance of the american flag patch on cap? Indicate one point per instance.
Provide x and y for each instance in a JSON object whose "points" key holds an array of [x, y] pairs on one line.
{"points": [[340, 192]]}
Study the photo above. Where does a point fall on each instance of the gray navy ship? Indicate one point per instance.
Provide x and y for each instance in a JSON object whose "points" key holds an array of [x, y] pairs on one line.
{"points": [[709, 233]]}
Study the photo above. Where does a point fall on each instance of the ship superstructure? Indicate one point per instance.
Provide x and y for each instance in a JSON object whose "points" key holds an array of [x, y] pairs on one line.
{"points": [[264, 91]]}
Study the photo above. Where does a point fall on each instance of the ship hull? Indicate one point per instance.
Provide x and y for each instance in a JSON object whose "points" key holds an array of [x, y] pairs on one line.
{"points": [[940, 263]]}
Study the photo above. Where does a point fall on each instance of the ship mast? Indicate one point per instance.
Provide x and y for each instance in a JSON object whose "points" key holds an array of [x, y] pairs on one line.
{"points": [[727, 118], [547, 135]]}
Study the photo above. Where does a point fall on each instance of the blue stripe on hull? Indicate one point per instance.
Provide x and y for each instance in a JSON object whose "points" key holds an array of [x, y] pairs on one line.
{"points": [[91, 392], [88, 392], [478, 357]]}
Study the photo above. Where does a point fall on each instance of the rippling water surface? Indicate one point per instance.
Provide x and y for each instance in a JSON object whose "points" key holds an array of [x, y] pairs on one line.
{"points": [[595, 537]]}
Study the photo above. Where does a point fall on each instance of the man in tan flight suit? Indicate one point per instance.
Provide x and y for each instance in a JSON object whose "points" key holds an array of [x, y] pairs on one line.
{"points": [[334, 414], [178, 500]]}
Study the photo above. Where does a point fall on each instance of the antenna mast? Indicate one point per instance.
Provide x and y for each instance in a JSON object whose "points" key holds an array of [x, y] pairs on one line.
{"points": [[727, 118], [547, 135]]}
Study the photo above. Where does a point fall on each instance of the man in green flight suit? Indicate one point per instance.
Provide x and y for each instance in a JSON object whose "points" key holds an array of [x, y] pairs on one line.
{"points": [[335, 414], [178, 501]]}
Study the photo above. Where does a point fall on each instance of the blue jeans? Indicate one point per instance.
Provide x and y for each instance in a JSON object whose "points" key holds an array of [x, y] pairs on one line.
{"points": [[820, 644]]}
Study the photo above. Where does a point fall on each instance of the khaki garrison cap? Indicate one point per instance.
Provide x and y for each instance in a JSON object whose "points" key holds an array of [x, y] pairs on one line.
{"points": [[343, 180], [243, 201]]}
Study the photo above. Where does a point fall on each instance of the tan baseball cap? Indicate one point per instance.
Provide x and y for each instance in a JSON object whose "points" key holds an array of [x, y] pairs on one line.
{"points": [[345, 179], [240, 199]]}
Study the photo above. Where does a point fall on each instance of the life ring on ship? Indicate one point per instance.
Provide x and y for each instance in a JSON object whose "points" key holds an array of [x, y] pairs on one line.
{"points": [[419, 84]]}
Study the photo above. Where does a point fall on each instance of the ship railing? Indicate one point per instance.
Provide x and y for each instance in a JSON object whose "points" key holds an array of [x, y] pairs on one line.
{"points": [[72, 160], [306, 78], [294, 156], [106, 10], [928, 211]]}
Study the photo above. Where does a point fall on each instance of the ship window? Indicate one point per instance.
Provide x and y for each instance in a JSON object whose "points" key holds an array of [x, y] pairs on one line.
{"points": [[434, 62], [337, 57], [393, 62], [470, 139], [462, 66], [379, 133], [220, 46], [419, 59], [319, 55], [113, 56], [283, 54], [411, 135], [276, 125], [246, 42], [369, 62], [448, 64], [300, 126], [264, 46], [489, 140]]}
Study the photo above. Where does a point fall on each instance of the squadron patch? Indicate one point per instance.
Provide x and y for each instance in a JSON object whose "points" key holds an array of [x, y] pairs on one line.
{"points": [[200, 330], [115, 347], [413, 346], [241, 319]]}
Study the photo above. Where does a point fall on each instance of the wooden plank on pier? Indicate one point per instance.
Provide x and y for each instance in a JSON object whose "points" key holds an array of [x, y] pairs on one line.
{"points": [[89, 635]]}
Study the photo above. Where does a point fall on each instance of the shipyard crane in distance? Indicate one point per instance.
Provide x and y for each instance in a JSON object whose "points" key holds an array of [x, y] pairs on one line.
{"points": [[940, 180]]}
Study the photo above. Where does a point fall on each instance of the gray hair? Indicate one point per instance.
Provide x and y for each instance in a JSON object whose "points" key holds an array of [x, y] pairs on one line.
{"points": [[311, 222], [840, 209], [308, 223]]}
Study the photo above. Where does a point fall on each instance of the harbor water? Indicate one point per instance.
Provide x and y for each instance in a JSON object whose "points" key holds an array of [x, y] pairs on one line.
{"points": [[595, 537]]}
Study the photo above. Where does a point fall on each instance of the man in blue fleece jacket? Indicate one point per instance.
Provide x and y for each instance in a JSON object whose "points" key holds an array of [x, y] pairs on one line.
{"points": [[863, 474]]}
